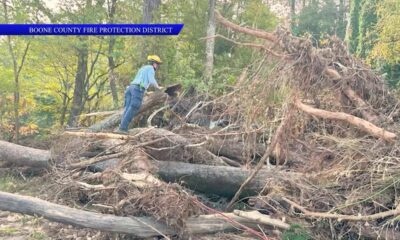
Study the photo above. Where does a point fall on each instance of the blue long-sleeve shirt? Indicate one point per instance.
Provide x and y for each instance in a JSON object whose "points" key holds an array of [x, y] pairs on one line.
{"points": [[146, 77]]}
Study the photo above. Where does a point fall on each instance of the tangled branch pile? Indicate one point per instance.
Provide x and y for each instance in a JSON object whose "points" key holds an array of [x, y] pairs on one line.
{"points": [[343, 127], [308, 136], [338, 121]]}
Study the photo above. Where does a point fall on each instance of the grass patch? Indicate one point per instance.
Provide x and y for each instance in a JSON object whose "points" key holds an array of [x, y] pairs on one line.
{"points": [[296, 232], [35, 235], [8, 231], [9, 183], [13, 183]]}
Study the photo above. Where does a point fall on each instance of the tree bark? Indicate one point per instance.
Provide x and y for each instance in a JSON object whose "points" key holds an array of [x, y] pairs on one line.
{"points": [[210, 42], [292, 12], [164, 145], [341, 32], [16, 70], [64, 109], [178, 148], [352, 28], [112, 121], [142, 227], [221, 180], [111, 62], [149, 9], [24, 156], [80, 77], [233, 149]]}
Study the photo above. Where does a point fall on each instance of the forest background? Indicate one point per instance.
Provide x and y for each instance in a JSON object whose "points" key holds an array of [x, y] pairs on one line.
{"points": [[47, 82]]}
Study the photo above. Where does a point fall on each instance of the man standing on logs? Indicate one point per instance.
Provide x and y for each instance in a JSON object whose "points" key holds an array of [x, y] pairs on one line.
{"points": [[135, 92]]}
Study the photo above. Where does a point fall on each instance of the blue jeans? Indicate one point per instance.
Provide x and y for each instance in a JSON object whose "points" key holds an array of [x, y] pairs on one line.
{"points": [[133, 100]]}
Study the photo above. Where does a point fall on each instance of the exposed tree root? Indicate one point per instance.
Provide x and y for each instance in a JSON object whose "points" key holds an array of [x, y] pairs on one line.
{"points": [[353, 120]]}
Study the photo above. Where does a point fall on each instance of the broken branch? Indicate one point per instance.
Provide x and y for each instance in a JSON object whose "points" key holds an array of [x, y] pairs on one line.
{"points": [[261, 163], [262, 219], [340, 217], [247, 30], [353, 120]]}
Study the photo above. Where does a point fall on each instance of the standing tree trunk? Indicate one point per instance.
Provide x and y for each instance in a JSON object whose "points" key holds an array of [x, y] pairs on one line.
{"points": [[64, 109], [367, 21], [210, 42], [149, 8], [352, 27], [341, 31], [111, 63], [292, 12], [16, 70], [64, 93], [80, 77]]}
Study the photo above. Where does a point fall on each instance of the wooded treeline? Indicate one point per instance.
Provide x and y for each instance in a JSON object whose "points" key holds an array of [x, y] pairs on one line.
{"points": [[47, 82]]}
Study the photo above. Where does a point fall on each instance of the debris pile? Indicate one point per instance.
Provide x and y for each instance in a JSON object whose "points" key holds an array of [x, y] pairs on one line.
{"points": [[308, 137]]}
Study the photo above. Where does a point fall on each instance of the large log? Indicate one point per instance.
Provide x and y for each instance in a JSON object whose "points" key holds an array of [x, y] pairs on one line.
{"points": [[220, 180], [179, 148], [113, 120], [170, 147], [218, 147], [24, 156], [149, 102], [233, 149], [141, 227]]}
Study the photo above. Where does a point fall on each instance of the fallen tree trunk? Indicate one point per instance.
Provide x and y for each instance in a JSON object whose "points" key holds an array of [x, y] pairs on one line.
{"points": [[142, 227], [112, 121], [24, 156], [179, 148], [233, 149], [227, 148], [149, 103], [163, 145], [108, 122], [220, 180]]}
